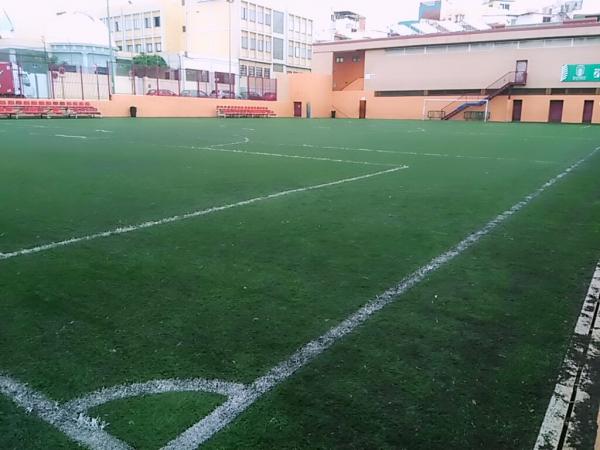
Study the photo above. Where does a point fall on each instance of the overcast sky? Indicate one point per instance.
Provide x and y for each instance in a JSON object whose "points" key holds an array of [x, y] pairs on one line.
{"points": [[31, 14]]}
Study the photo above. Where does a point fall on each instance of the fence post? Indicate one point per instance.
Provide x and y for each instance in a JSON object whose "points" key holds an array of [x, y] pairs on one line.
{"points": [[108, 80], [51, 78], [81, 78], [157, 82], [97, 83]]}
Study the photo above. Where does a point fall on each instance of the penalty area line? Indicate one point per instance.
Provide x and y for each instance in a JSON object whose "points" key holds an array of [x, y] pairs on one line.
{"points": [[191, 215]]}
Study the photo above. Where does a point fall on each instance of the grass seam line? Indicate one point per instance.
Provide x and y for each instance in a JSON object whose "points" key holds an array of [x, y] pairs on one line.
{"points": [[222, 416], [190, 215], [572, 384]]}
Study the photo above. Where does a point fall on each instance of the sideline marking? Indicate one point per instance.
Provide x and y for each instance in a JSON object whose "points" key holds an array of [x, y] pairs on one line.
{"points": [[226, 413], [573, 386], [190, 215], [283, 155], [70, 136], [241, 397], [437, 155]]}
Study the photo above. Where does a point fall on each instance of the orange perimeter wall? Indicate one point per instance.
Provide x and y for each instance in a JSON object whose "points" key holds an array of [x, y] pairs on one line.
{"points": [[316, 90]]}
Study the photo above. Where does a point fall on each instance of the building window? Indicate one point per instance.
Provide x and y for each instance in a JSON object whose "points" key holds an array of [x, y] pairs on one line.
{"points": [[138, 48], [339, 59], [243, 70], [261, 45], [268, 18], [304, 26], [184, 28], [259, 72], [268, 45], [546, 19], [244, 13], [128, 23], [147, 23], [158, 47], [252, 15], [130, 48], [356, 59], [309, 52], [291, 21], [157, 21], [267, 73], [245, 42], [251, 71], [297, 23], [252, 43], [278, 22], [117, 25], [291, 49], [278, 68], [277, 48], [136, 23], [297, 52], [310, 27], [120, 48], [260, 15], [149, 48]]}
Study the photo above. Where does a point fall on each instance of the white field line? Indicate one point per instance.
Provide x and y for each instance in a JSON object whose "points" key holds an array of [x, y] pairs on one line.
{"points": [[244, 141], [227, 412], [103, 396], [587, 381], [190, 215], [70, 136], [104, 131], [556, 414], [80, 428], [283, 155], [435, 155]]}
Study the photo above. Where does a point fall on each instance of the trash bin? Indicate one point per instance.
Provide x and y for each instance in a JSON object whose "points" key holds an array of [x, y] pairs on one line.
{"points": [[133, 111], [333, 114]]}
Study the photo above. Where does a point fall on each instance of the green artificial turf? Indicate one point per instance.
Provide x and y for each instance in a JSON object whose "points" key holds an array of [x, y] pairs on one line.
{"points": [[467, 359], [166, 415]]}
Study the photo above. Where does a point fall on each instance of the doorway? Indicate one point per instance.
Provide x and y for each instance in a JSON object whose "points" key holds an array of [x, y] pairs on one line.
{"points": [[588, 111], [297, 109], [556, 111], [362, 109], [521, 71], [517, 110]]}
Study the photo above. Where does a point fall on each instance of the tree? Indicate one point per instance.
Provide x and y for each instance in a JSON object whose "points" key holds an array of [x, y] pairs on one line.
{"points": [[149, 60]]}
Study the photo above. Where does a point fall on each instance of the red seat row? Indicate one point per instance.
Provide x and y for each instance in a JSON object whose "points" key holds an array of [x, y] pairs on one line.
{"points": [[16, 108], [244, 111]]}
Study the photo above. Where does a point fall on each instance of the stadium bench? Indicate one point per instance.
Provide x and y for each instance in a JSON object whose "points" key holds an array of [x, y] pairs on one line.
{"points": [[244, 111], [46, 108]]}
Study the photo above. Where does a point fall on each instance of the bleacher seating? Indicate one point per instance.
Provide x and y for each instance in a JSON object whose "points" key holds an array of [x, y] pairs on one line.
{"points": [[244, 111], [17, 108]]}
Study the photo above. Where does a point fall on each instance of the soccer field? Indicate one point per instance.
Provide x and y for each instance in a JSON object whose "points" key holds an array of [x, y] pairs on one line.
{"points": [[290, 284]]}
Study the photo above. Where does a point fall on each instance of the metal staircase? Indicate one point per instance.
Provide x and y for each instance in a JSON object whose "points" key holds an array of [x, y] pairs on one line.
{"points": [[495, 89]]}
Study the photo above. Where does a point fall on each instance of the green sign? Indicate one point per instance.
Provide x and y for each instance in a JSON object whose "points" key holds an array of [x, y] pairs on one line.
{"points": [[580, 72]]}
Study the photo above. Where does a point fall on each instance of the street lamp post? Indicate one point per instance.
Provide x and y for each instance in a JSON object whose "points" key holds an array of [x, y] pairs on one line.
{"points": [[110, 51]]}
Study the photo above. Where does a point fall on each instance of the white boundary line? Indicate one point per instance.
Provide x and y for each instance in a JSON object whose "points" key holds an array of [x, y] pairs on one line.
{"points": [[89, 432], [437, 155], [226, 413], [283, 155], [190, 215], [78, 427], [70, 136], [573, 374]]}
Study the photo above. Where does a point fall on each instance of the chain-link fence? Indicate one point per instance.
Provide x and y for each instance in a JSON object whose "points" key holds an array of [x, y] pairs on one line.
{"points": [[41, 77]]}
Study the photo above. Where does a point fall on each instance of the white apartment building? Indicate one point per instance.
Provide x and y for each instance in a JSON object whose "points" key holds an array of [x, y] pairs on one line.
{"points": [[248, 38]]}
